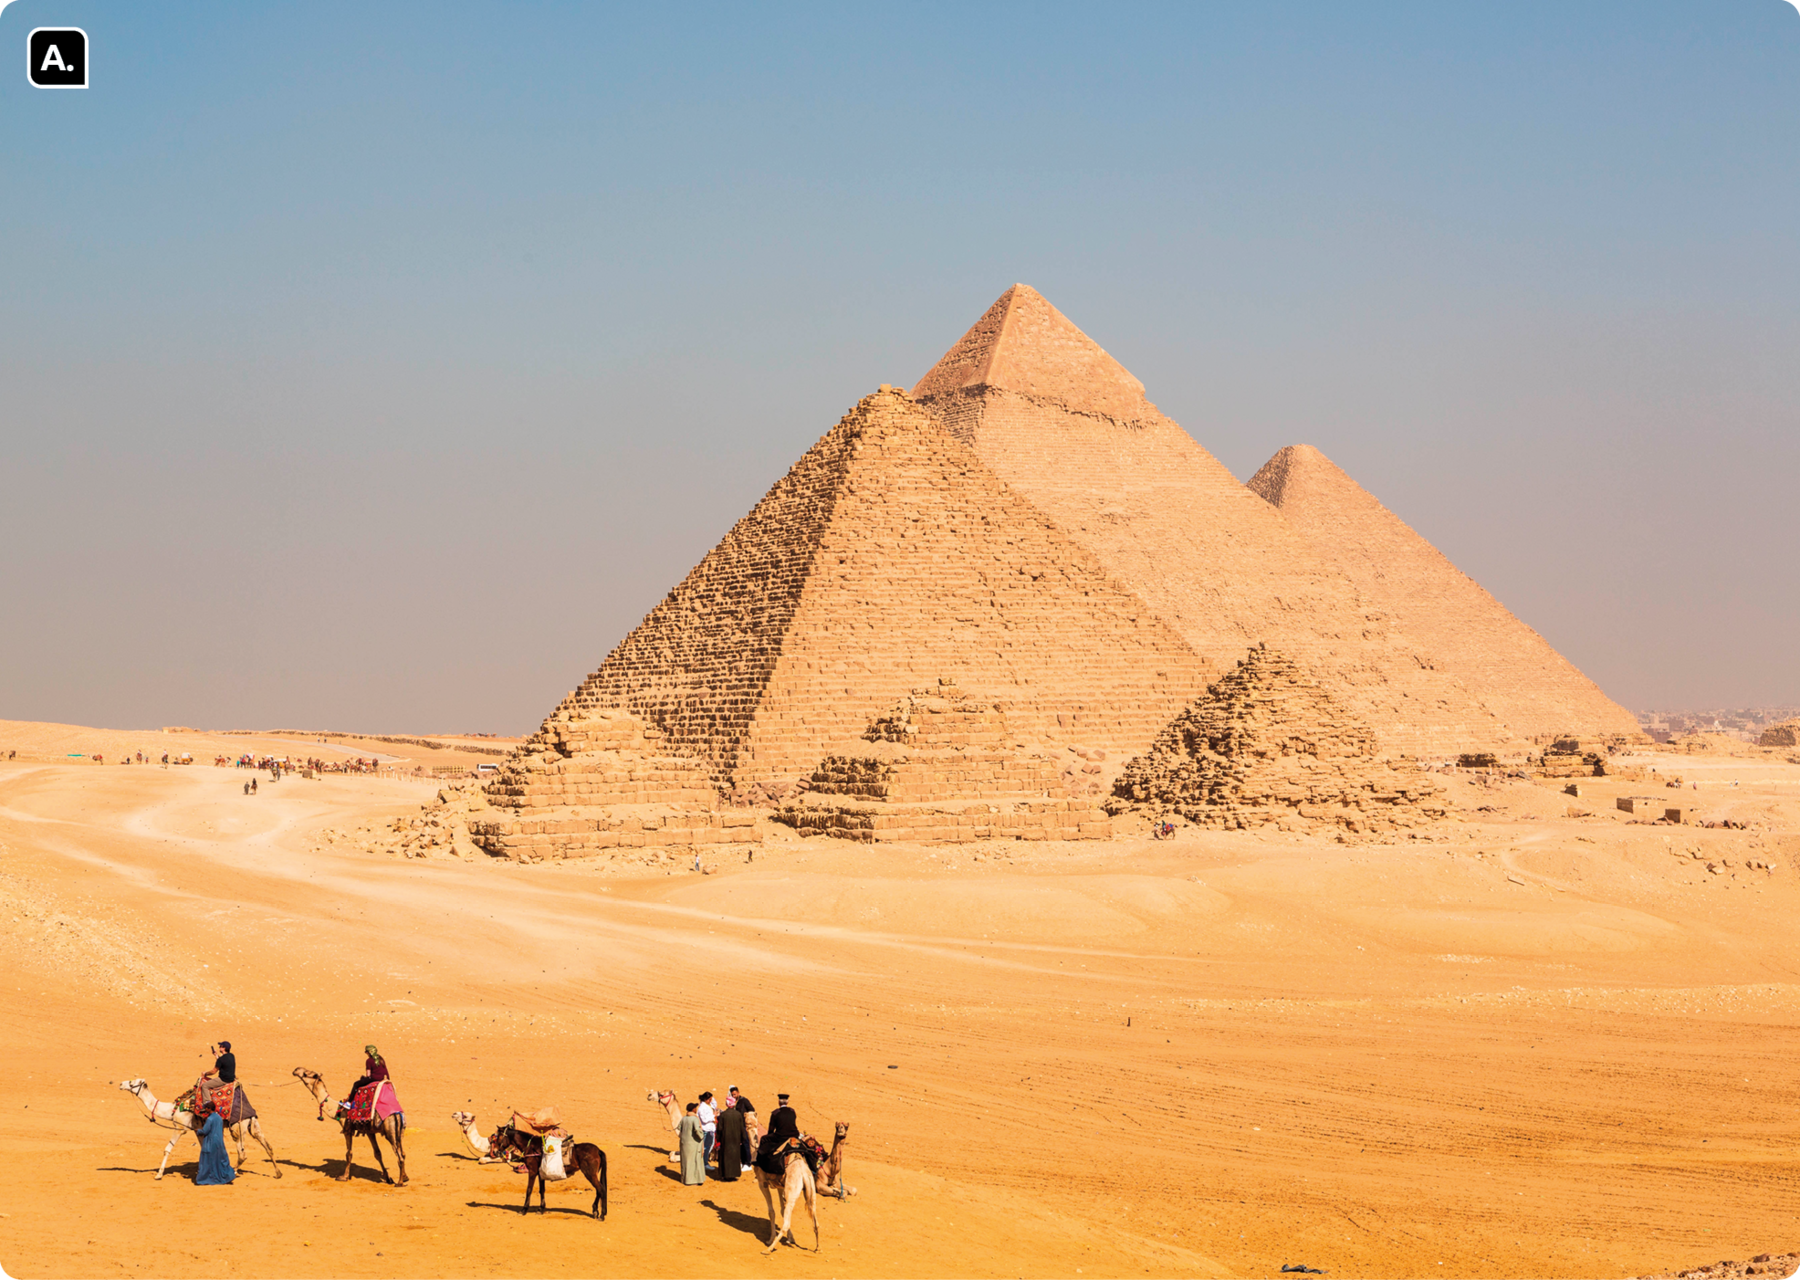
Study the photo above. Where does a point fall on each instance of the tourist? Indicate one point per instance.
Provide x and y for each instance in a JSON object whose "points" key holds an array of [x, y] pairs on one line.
{"points": [[693, 1148], [224, 1063], [375, 1069], [215, 1165], [709, 1125], [733, 1142]]}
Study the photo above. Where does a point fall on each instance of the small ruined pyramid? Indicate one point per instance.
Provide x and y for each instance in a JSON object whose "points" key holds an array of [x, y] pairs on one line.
{"points": [[942, 766], [1067, 428], [1268, 744], [1510, 667], [598, 782], [887, 556]]}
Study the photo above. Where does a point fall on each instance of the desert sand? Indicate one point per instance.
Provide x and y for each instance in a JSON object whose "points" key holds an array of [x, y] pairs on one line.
{"points": [[1515, 1042]]}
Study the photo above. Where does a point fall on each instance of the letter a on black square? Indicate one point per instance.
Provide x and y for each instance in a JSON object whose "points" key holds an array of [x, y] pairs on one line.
{"points": [[58, 58]]}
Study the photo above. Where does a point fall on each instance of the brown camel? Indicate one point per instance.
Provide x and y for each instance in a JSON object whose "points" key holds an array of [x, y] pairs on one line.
{"points": [[831, 1177], [793, 1184], [544, 1167], [391, 1128]]}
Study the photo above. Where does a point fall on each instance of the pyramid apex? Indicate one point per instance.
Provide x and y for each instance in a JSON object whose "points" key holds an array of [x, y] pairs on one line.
{"points": [[1024, 344], [1292, 467]]}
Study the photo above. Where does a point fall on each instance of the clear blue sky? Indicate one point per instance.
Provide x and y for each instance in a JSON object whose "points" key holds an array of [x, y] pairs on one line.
{"points": [[379, 366]]}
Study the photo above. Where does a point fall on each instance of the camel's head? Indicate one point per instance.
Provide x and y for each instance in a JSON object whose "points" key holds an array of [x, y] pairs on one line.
{"points": [[310, 1079], [131, 1086], [843, 1131], [463, 1119]]}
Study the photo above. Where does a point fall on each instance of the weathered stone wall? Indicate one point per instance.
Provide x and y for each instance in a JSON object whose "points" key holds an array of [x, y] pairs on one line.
{"points": [[1067, 428], [1785, 734], [942, 766], [1465, 630]]}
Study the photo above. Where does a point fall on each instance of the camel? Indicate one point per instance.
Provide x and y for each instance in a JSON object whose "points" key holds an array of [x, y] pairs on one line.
{"points": [[183, 1123], [665, 1098], [795, 1182], [544, 1166], [831, 1177], [465, 1123], [391, 1128]]}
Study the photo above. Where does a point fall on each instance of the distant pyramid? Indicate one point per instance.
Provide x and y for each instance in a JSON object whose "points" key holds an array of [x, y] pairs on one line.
{"points": [[1506, 664], [886, 557], [1269, 744], [1067, 428]]}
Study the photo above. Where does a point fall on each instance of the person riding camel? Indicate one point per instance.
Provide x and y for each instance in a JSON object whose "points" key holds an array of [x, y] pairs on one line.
{"points": [[374, 1068], [224, 1066], [784, 1127]]}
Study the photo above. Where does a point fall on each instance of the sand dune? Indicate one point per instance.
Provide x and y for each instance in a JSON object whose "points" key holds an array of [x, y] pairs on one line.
{"points": [[1518, 1044]]}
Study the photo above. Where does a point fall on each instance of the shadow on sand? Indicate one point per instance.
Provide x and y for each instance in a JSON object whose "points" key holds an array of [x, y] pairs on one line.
{"points": [[513, 1208], [749, 1223]]}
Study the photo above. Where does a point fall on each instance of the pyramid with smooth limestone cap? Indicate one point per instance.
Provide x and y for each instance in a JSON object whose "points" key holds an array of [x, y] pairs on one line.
{"points": [[1069, 429], [1509, 666]]}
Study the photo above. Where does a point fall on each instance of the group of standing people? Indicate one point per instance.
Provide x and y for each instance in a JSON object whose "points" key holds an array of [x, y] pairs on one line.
{"points": [[723, 1134]]}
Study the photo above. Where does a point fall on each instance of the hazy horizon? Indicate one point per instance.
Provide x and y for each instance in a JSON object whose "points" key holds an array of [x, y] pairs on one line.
{"points": [[381, 379]]}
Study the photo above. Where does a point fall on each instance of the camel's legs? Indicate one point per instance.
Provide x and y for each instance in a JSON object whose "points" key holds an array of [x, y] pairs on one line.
{"points": [[376, 1148], [349, 1146], [811, 1193], [255, 1128], [166, 1152], [762, 1180], [397, 1137]]}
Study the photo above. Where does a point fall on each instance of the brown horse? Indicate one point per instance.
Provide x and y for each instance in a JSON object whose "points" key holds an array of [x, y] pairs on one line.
{"points": [[510, 1143]]}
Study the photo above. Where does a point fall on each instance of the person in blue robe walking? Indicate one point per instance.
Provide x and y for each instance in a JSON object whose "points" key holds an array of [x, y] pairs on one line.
{"points": [[215, 1164]]}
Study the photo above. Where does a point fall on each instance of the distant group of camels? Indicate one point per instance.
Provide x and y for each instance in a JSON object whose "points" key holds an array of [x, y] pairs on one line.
{"points": [[543, 1164]]}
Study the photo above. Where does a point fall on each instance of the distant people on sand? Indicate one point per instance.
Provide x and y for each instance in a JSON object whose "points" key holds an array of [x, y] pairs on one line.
{"points": [[693, 1147], [215, 1164]]}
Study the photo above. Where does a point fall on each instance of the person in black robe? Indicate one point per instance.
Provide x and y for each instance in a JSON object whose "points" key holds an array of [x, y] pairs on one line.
{"points": [[746, 1108], [783, 1125], [733, 1137]]}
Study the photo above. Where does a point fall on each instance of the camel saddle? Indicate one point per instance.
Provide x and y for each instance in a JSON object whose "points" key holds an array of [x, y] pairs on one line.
{"points": [[232, 1104], [810, 1150], [373, 1102]]}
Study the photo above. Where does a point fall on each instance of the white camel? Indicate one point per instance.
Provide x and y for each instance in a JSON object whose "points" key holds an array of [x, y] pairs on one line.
{"points": [[665, 1098], [465, 1124], [183, 1123], [783, 1193]]}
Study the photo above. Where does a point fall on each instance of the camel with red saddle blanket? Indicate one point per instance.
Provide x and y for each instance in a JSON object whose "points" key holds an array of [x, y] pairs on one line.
{"points": [[538, 1144], [233, 1106], [375, 1112]]}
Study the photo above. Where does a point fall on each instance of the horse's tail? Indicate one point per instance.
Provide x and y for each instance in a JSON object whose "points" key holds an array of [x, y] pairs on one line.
{"points": [[602, 1184]]}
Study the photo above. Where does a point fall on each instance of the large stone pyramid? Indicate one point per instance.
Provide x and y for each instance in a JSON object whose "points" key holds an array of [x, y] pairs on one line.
{"points": [[888, 556], [1506, 664], [1268, 744], [1067, 428]]}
